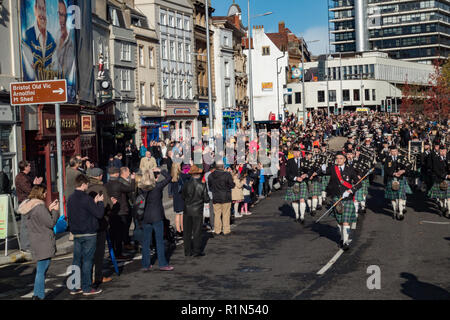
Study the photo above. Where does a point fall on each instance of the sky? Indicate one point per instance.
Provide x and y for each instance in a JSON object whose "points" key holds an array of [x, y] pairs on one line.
{"points": [[303, 17]]}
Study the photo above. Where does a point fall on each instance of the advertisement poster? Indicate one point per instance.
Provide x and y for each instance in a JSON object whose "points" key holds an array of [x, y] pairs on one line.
{"points": [[6, 223], [48, 41]]}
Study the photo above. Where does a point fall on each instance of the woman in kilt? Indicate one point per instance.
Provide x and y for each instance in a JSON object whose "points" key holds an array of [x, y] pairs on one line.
{"points": [[440, 175], [395, 170], [297, 191], [343, 184]]}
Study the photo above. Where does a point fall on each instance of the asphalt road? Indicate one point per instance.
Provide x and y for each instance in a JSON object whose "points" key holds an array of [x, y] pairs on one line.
{"points": [[268, 256]]}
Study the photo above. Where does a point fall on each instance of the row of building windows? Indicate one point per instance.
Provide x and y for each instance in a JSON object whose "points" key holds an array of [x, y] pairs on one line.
{"points": [[346, 47], [416, 17], [420, 28], [409, 6], [333, 98], [366, 71], [143, 93], [405, 42], [178, 21], [344, 14], [151, 56], [177, 88], [175, 51], [419, 52], [344, 25], [342, 3], [344, 36]]}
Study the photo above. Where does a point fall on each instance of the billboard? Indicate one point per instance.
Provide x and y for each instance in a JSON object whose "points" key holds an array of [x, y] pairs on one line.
{"points": [[48, 41]]}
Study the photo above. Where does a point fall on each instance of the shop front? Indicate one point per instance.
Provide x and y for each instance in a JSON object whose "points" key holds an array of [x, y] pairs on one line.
{"points": [[182, 121], [232, 121], [88, 137], [150, 130]]}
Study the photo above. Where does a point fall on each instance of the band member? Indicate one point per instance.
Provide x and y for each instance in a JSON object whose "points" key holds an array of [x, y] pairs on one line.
{"points": [[297, 191], [343, 183], [441, 175], [325, 179], [425, 167], [315, 188], [397, 187]]}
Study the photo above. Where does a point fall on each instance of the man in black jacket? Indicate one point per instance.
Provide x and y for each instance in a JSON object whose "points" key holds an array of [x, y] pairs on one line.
{"points": [[195, 195], [121, 189], [83, 214], [221, 183], [441, 175]]}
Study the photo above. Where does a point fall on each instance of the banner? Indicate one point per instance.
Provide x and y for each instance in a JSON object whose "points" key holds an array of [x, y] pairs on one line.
{"points": [[48, 41], [6, 215]]}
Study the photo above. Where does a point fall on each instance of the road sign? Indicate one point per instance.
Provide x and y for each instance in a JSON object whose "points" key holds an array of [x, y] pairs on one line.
{"points": [[38, 92]]}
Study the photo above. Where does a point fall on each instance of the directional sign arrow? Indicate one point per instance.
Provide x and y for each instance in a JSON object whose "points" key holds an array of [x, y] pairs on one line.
{"points": [[60, 91]]}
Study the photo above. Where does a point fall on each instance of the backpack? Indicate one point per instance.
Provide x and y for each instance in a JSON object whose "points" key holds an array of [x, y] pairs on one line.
{"points": [[139, 205]]}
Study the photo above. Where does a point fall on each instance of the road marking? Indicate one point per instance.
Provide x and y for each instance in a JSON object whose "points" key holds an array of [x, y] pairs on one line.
{"points": [[30, 295], [434, 222], [331, 262]]}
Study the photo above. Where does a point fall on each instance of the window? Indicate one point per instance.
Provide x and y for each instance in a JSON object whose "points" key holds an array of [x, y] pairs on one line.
{"points": [[266, 51], [321, 96], [186, 24], [172, 50], [173, 87], [227, 96], [141, 56], [142, 88], [180, 88], [188, 53], [180, 52], [374, 97], [346, 95], [162, 18], [356, 95], [125, 53], [367, 94], [166, 87], [289, 99], [298, 97], [164, 49], [151, 52], [125, 80], [152, 94], [332, 95], [114, 17], [227, 69], [179, 23], [225, 41], [185, 90], [171, 21]]}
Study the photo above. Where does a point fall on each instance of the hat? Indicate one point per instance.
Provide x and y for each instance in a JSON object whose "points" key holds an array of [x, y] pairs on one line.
{"points": [[296, 149], [442, 147], [96, 172], [369, 136], [393, 147], [195, 170], [340, 153], [113, 170]]}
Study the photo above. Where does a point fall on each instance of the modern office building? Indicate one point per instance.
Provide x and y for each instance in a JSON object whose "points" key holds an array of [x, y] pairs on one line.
{"points": [[412, 30]]}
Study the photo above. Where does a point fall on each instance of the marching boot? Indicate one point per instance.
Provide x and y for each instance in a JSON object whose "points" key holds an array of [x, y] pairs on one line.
{"points": [[394, 208]]}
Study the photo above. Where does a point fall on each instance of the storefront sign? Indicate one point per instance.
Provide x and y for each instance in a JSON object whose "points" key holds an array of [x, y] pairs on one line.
{"points": [[6, 214], [165, 127], [150, 122], [65, 124], [69, 124], [86, 123], [181, 111], [267, 86]]}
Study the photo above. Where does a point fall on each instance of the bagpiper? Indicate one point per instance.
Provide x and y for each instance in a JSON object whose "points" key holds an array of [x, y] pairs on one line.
{"points": [[343, 184], [441, 175], [297, 191], [325, 179], [314, 183], [397, 187]]}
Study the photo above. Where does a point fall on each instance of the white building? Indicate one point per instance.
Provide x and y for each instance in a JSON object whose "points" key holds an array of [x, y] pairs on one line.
{"points": [[224, 75], [267, 85], [369, 79]]}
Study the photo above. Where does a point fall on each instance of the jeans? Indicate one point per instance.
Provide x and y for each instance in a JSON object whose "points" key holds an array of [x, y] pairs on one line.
{"points": [[260, 188], [83, 257], [158, 227], [39, 281]]}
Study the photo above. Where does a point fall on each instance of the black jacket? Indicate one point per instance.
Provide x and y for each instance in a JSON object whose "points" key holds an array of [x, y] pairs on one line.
{"points": [[294, 171], [220, 184], [195, 195], [440, 169], [391, 167], [154, 209], [121, 190], [335, 187], [83, 213]]}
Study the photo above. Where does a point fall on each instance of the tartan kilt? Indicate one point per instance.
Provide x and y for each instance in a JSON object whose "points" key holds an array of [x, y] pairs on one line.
{"points": [[316, 189], [303, 194], [325, 181], [363, 192], [401, 193], [349, 213], [436, 192]]}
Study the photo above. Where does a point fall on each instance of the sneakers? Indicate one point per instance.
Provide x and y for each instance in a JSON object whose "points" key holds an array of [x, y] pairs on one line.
{"points": [[92, 292], [146, 269], [166, 268], [106, 279], [238, 215], [75, 292]]}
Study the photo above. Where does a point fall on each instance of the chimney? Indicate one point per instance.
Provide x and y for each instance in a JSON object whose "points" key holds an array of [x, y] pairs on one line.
{"points": [[281, 27]]}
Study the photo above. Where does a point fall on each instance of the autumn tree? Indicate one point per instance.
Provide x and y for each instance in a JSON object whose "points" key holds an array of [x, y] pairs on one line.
{"points": [[437, 102]]}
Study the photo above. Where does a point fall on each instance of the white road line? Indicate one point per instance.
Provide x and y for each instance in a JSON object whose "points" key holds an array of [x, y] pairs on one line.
{"points": [[434, 222], [30, 295], [331, 262]]}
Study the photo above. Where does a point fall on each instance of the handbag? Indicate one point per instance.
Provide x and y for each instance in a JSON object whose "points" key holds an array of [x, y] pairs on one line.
{"points": [[296, 188], [61, 225], [443, 185], [206, 213], [395, 185]]}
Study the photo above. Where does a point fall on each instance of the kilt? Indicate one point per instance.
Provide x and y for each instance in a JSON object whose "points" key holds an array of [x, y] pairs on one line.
{"points": [[436, 192], [349, 213], [303, 194], [316, 189], [363, 191], [401, 193], [325, 181]]}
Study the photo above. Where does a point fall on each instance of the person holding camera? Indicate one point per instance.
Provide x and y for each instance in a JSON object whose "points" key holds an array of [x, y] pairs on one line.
{"points": [[40, 221]]}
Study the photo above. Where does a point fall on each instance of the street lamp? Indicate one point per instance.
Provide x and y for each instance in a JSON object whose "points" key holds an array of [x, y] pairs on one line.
{"points": [[211, 119], [250, 80], [303, 77]]}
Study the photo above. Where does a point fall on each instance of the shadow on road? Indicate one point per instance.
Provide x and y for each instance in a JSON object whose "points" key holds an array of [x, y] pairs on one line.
{"points": [[419, 290], [286, 211], [326, 230]]}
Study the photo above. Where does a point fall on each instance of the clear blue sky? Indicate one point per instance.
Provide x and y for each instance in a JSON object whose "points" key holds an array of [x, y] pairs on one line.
{"points": [[307, 17]]}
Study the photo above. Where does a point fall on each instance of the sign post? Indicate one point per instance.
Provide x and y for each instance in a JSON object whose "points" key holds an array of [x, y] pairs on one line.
{"points": [[45, 92]]}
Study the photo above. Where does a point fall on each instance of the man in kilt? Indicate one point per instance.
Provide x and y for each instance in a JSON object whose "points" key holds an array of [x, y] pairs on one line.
{"points": [[361, 195], [297, 191], [395, 171], [343, 183], [314, 185], [440, 175], [324, 179]]}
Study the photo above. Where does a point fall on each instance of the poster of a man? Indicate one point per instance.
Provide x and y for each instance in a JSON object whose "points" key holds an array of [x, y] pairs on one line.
{"points": [[48, 42]]}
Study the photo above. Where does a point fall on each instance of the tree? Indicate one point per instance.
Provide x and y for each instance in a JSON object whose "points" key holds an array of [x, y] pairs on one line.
{"points": [[437, 102], [412, 99], [407, 101]]}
